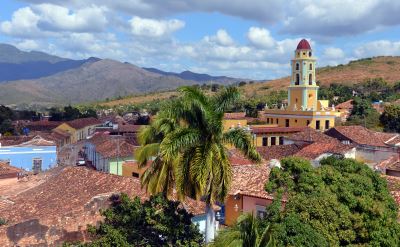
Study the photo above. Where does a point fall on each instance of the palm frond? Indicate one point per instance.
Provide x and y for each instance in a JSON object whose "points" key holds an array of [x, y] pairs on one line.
{"points": [[225, 99], [177, 140], [145, 153], [241, 139]]}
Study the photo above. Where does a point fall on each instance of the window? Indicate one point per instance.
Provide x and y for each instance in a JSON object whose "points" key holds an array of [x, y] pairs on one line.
{"points": [[277, 121], [286, 122], [308, 122], [135, 174], [298, 53], [304, 53], [326, 124], [310, 79], [310, 66], [317, 125], [297, 66], [297, 79], [309, 54], [281, 140], [260, 211], [37, 165], [273, 141], [267, 120], [265, 141]]}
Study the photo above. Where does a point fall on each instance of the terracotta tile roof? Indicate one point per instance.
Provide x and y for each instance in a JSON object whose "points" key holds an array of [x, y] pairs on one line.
{"points": [[7, 170], [250, 180], [42, 125], [309, 135], [279, 152], [261, 130], [234, 115], [362, 136], [394, 140], [65, 203], [392, 163], [108, 147], [83, 122], [236, 158], [316, 149], [394, 187], [348, 105], [20, 141]]}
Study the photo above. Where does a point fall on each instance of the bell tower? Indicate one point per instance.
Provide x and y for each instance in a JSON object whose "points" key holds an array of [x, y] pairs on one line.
{"points": [[303, 90]]}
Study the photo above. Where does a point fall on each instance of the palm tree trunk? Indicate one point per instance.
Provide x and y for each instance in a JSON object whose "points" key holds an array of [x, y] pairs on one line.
{"points": [[210, 224]]}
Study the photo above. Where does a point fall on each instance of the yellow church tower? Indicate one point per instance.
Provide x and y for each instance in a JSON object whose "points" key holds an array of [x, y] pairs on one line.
{"points": [[303, 108]]}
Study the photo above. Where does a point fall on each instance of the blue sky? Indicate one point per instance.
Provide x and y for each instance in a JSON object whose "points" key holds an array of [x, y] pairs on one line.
{"points": [[248, 39]]}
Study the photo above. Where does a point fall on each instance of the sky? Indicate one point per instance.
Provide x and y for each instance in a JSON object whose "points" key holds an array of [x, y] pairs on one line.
{"points": [[252, 39]]}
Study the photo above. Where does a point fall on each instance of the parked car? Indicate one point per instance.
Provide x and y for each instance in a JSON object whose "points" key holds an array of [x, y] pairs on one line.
{"points": [[81, 162]]}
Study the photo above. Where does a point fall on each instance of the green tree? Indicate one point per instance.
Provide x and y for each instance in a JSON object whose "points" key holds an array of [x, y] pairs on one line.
{"points": [[390, 118], [247, 231], [342, 202], [190, 148], [364, 114], [155, 222]]}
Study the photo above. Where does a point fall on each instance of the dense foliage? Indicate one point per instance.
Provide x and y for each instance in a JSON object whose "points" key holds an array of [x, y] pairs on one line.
{"points": [[155, 222], [364, 114], [70, 113], [248, 231], [7, 115], [391, 118], [343, 202]]}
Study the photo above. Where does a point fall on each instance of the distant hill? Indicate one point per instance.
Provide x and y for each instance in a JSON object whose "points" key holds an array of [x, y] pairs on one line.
{"points": [[39, 78], [351, 73], [386, 67], [93, 81], [202, 78]]}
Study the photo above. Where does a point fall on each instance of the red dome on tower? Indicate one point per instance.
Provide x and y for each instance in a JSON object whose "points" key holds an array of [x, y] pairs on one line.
{"points": [[303, 45]]}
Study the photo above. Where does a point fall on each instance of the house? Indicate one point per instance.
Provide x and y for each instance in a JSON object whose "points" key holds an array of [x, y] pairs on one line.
{"points": [[345, 109], [59, 208], [271, 135], [41, 125], [107, 153], [130, 168], [372, 147], [79, 129], [390, 166], [31, 153], [247, 193]]}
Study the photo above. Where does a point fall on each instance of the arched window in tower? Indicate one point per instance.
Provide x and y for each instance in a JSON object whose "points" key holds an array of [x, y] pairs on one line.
{"points": [[310, 66], [297, 79], [309, 53], [310, 79], [297, 66]]}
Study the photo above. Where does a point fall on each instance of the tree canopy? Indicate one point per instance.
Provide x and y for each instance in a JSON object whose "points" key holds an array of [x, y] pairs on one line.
{"points": [[390, 118], [155, 222], [342, 202]]}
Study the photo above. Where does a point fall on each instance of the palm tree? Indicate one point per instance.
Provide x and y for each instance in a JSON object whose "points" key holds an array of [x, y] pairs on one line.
{"points": [[190, 149], [247, 231]]}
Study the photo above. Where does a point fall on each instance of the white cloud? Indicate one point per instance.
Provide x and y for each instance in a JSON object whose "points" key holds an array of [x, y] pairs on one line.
{"points": [[28, 44], [333, 53], [22, 24], [260, 37], [378, 48], [57, 18], [222, 37], [154, 28]]}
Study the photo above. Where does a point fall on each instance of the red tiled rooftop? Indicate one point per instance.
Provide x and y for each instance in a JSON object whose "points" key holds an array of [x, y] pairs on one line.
{"points": [[8, 170], [83, 122], [250, 180], [309, 135], [345, 105], [234, 115], [316, 149], [114, 147], [361, 135], [236, 158], [279, 152]]}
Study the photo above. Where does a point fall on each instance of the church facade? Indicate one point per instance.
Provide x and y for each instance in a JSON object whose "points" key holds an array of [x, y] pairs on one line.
{"points": [[303, 107]]}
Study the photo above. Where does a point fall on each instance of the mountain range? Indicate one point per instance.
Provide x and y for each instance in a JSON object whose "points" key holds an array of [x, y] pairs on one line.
{"points": [[42, 79]]}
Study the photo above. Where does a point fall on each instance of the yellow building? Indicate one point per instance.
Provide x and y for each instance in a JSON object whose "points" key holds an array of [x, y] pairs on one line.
{"points": [[303, 108], [78, 129]]}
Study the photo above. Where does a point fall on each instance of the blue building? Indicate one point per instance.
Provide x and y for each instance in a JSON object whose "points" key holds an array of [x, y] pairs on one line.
{"points": [[31, 154]]}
